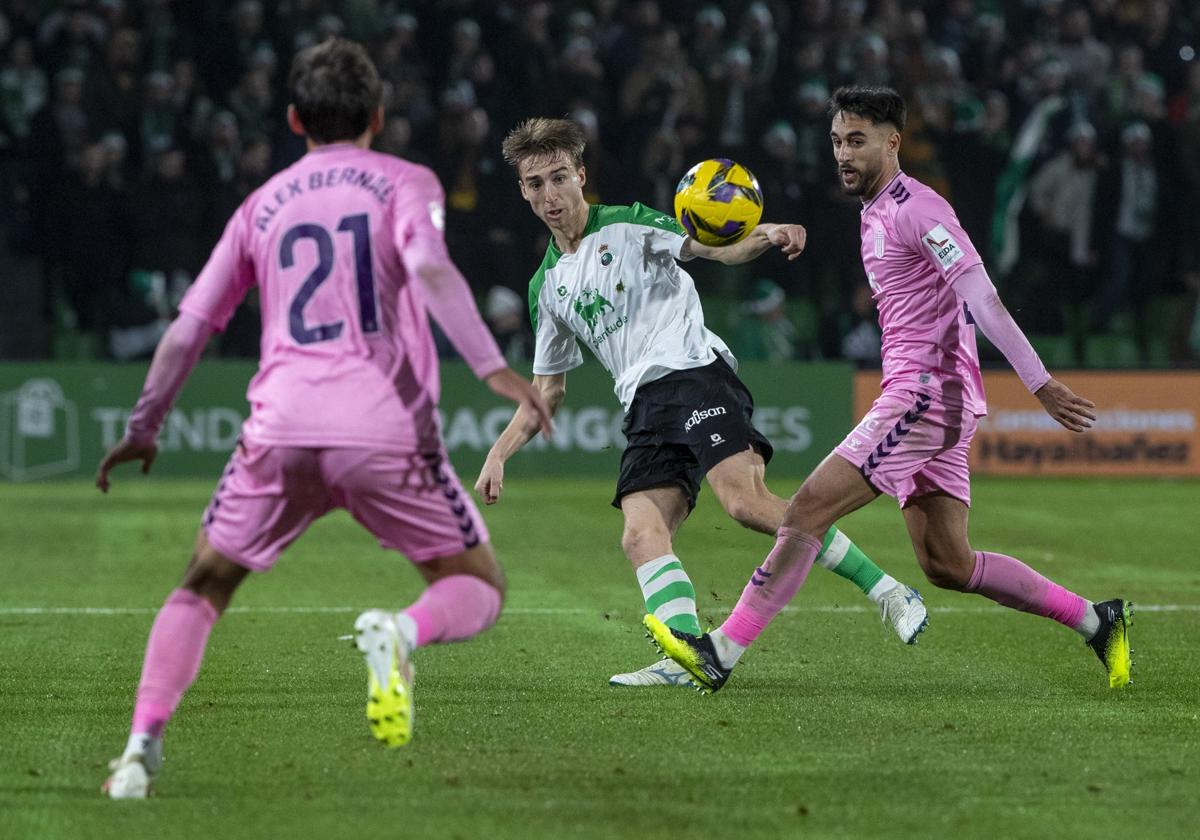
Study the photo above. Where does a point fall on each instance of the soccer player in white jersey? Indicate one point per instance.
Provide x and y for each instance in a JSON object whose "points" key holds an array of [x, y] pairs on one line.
{"points": [[610, 279], [347, 252], [932, 290]]}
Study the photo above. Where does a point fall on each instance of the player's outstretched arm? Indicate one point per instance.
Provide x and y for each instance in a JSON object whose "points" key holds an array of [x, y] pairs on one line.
{"points": [[176, 355], [520, 430], [994, 320], [791, 239]]}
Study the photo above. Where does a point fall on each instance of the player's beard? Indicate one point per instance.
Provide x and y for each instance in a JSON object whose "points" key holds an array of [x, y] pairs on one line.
{"points": [[862, 177]]}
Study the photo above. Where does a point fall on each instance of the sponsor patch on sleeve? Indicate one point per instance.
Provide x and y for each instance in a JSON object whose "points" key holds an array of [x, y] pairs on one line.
{"points": [[437, 215], [945, 249]]}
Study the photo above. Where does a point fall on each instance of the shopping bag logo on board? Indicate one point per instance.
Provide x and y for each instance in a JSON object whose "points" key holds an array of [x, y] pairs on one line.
{"points": [[39, 431]]}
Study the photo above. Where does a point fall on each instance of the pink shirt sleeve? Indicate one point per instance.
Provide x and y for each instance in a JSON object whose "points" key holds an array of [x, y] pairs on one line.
{"points": [[225, 278], [975, 288], [419, 235], [174, 358], [928, 225]]}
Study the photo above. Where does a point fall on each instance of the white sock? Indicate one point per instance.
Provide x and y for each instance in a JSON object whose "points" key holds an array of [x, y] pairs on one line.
{"points": [[406, 627], [832, 555], [1090, 624], [883, 587], [138, 742], [148, 747], [728, 651], [652, 567]]}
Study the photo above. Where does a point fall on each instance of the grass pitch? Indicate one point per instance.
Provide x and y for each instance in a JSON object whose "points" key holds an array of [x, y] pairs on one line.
{"points": [[995, 725]]}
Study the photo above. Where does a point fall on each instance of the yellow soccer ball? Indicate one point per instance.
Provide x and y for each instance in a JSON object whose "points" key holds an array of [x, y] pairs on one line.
{"points": [[718, 202]]}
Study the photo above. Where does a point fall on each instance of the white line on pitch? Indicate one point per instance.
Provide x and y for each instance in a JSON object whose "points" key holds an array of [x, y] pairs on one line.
{"points": [[822, 608]]}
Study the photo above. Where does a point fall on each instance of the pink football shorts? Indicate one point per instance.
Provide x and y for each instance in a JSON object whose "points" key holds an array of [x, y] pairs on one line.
{"points": [[269, 495], [908, 445]]}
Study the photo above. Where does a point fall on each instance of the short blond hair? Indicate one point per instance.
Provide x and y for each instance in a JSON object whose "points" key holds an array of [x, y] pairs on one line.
{"points": [[542, 137]]}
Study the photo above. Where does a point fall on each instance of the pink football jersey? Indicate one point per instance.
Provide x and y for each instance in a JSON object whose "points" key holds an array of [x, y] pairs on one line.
{"points": [[333, 243], [913, 249]]}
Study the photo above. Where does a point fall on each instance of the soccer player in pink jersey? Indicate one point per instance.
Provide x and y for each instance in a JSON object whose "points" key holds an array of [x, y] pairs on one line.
{"points": [[931, 290], [346, 249]]}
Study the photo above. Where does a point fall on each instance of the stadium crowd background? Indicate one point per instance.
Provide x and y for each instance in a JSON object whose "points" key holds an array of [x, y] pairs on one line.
{"points": [[1066, 134]]}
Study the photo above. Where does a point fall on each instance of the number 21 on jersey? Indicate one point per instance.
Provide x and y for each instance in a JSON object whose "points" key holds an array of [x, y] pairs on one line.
{"points": [[358, 226]]}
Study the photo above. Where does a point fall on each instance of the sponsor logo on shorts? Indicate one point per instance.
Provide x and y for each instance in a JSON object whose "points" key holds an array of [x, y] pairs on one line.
{"points": [[700, 416], [717, 440]]}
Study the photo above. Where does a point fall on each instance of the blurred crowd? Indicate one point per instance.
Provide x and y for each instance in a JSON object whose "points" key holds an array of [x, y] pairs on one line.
{"points": [[1066, 134]]}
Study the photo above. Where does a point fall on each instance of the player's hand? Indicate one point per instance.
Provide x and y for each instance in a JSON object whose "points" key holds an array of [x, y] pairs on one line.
{"points": [[789, 238], [490, 482], [125, 450], [1070, 410], [508, 384]]}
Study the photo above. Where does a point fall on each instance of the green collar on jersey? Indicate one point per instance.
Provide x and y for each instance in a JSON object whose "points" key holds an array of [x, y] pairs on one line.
{"points": [[599, 216]]}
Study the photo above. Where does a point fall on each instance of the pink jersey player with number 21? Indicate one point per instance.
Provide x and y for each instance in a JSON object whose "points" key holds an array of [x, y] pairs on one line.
{"points": [[346, 250]]}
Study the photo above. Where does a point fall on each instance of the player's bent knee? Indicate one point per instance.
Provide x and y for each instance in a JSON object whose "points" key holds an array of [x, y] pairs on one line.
{"points": [[805, 512], [740, 510], [641, 542], [761, 511], [479, 562], [946, 571], [213, 576]]}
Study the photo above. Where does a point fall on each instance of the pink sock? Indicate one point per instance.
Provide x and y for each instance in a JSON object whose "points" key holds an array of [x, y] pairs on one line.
{"points": [[772, 585], [454, 608], [173, 656], [1008, 581]]}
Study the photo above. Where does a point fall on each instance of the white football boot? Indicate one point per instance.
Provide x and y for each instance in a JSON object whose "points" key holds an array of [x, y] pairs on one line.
{"points": [[389, 677], [903, 607], [134, 772], [666, 672]]}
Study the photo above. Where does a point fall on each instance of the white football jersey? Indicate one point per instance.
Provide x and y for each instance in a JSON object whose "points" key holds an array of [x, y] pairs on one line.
{"points": [[623, 294]]}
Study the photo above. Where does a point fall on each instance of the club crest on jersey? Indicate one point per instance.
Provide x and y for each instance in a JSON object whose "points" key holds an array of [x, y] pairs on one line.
{"points": [[945, 249], [605, 255]]}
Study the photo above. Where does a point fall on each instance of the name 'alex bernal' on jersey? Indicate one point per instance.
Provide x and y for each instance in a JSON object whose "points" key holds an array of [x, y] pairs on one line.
{"points": [[623, 294], [347, 354], [913, 249]]}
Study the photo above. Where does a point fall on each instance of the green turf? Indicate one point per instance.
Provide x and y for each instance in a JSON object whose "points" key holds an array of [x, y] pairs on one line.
{"points": [[996, 725]]}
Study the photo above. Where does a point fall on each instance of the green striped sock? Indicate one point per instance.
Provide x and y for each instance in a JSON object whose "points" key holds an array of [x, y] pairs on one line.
{"points": [[845, 559], [670, 596]]}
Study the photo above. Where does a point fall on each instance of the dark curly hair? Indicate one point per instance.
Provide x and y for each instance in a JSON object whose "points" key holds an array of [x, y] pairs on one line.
{"points": [[877, 104]]}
